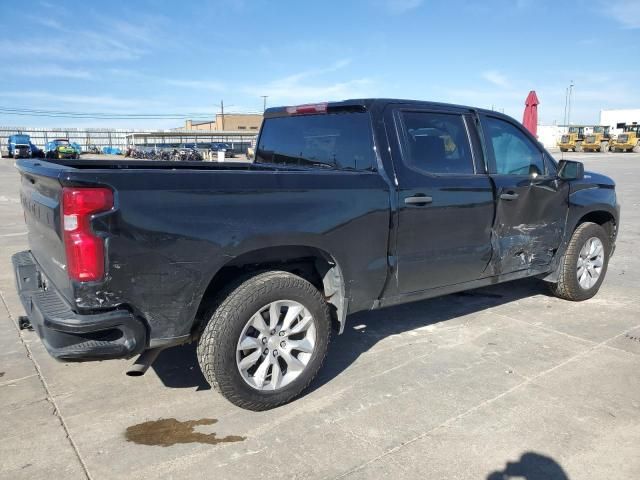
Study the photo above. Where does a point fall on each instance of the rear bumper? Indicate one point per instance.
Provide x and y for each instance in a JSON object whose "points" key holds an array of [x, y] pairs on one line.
{"points": [[66, 334]]}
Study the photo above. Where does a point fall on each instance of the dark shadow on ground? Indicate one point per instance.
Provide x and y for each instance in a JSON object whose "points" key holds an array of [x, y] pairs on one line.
{"points": [[531, 466], [178, 367], [346, 348]]}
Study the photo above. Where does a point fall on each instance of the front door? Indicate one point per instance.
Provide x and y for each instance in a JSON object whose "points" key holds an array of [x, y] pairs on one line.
{"points": [[531, 202], [445, 199]]}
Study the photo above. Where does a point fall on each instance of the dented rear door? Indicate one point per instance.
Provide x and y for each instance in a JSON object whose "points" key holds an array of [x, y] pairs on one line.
{"points": [[531, 202]]}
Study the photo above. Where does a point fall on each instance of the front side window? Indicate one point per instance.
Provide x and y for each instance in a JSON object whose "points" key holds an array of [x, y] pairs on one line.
{"points": [[437, 143], [514, 153], [336, 140]]}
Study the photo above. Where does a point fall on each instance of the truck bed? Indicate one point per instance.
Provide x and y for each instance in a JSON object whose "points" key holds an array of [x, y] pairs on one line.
{"points": [[127, 163]]}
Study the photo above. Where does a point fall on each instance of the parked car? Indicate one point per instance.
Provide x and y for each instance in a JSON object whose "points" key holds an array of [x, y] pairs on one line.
{"points": [[225, 147], [349, 206], [61, 148], [19, 146]]}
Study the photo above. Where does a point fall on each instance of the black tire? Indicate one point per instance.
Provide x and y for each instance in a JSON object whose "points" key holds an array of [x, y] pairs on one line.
{"points": [[568, 286], [226, 321]]}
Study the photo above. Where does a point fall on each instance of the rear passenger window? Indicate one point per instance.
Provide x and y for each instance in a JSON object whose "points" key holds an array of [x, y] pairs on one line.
{"points": [[437, 143], [335, 140]]}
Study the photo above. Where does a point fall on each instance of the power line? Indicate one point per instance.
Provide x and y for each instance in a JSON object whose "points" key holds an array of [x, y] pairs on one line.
{"points": [[28, 112]]}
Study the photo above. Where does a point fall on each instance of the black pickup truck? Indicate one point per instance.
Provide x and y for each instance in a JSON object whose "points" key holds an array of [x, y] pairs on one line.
{"points": [[348, 206]]}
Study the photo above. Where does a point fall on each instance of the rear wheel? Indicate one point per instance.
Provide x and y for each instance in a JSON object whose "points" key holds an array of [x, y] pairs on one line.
{"points": [[265, 340], [584, 264]]}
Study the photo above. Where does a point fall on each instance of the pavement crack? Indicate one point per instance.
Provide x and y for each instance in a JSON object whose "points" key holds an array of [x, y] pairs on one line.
{"points": [[48, 395], [477, 407], [15, 380]]}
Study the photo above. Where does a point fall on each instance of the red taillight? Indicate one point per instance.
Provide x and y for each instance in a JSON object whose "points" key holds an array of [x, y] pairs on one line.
{"points": [[85, 250], [308, 108]]}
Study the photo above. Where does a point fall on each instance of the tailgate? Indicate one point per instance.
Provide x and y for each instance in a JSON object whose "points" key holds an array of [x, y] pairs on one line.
{"points": [[40, 194]]}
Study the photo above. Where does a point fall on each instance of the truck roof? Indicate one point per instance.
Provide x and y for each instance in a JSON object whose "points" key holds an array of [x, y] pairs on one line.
{"points": [[369, 103]]}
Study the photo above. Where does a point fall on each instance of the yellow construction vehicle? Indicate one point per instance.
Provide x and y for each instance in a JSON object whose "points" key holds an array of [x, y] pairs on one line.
{"points": [[626, 142], [598, 141], [572, 140], [567, 142]]}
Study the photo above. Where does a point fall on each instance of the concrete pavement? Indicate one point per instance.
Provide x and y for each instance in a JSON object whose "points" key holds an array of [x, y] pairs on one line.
{"points": [[488, 384]]}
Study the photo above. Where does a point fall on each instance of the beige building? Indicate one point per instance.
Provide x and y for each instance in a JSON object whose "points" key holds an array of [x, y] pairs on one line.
{"points": [[229, 122]]}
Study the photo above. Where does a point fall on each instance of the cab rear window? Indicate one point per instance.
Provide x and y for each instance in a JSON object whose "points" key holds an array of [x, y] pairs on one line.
{"points": [[336, 140]]}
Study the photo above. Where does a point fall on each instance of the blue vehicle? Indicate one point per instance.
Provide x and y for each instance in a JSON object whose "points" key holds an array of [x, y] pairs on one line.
{"points": [[225, 147], [62, 148], [19, 146]]}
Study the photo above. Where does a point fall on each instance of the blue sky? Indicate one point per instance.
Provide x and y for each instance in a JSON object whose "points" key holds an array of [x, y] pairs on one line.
{"points": [[184, 57]]}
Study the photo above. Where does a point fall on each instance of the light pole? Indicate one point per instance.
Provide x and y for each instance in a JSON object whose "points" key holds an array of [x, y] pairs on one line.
{"points": [[566, 103], [571, 85], [264, 102], [222, 114]]}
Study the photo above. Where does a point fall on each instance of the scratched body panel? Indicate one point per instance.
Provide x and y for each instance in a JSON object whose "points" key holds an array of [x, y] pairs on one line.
{"points": [[170, 234]]}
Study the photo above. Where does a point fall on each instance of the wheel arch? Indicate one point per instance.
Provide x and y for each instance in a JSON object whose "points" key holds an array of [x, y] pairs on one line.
{"points": [[313, 264], [600, 216], [604, 218]]}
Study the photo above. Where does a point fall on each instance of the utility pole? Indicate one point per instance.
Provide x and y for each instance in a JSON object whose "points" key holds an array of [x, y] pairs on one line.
{"points": [[566, 104], [571, 85], [222, 113], [264, 102]]}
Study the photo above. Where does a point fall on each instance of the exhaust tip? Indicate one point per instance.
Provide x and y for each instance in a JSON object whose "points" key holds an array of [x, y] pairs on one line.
{"points": [[143, 362]]}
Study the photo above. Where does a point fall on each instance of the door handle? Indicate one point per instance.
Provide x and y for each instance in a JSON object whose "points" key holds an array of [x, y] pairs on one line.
{"points": [[418, 200], [509, 196]]}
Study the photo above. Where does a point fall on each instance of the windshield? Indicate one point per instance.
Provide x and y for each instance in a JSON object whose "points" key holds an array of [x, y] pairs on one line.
{"points": [[591, 139], [623, 138], [21, 139], [61, 142], [573, 129], [598, 129]]}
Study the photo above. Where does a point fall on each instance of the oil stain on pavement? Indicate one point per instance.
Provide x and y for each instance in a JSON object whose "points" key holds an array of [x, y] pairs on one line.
{"points": [[169, 431]]}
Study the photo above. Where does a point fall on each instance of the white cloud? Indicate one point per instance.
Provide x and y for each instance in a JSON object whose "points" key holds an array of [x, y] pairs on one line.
{"points": [[84, 100], [496, 78], [306, 87], [88, 46], [48, 23], [196, 84], [45, 71], [111, 40], [401, 6], [625, 12], [521, 4]]}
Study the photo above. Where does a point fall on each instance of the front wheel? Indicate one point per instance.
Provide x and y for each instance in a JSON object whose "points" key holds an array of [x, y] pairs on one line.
{"points": [[265, 340], [584, 264]]}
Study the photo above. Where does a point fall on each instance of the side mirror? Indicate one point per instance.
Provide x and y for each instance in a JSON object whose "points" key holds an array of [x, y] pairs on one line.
{"points": [[570, 170]]}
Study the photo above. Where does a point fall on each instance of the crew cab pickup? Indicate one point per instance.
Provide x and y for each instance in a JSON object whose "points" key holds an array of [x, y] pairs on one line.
{"points": [[348, 206]]}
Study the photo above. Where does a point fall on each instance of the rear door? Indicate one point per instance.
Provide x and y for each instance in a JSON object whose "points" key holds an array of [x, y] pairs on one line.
{"points": [[445, 199], [531, 202]]}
